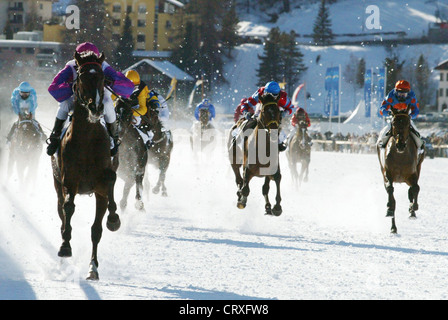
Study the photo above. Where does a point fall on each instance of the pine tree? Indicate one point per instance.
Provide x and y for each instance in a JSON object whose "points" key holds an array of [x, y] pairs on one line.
{"points": [[394, 68], [360, 73], [271, 67], [122, 54], [322, 34], [422, 81], [292, 61], [229, 36]]}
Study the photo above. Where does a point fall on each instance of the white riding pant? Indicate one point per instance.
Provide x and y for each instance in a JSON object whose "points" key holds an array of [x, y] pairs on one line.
{"points": [[65, 107]]}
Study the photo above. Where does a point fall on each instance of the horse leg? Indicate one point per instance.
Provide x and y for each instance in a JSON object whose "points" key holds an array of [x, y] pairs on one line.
{"points": [[126, 189], [265, 191], [113, 220], [162, 181], [277, 210], [96, 233], [413, 195], [68, 208], [139, 205], [245, 190], [391, 205]]}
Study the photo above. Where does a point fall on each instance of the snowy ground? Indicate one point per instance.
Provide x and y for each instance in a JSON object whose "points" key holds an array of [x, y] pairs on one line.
{"points": [[331, 242]]}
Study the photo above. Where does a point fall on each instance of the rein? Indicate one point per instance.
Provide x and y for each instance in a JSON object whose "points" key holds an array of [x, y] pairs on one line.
{"points": [[270, 122]]}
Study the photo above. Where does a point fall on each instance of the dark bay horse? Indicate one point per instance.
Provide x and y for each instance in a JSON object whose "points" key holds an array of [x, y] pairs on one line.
{"points": [[400, 162], [299, 151], [160, 151], [83, 164], [260, 155], [25, 149], [132, 156]]}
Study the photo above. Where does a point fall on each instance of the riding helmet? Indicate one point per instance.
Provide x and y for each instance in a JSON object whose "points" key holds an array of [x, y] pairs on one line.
{"points": [[133, 76], [272, 87]]}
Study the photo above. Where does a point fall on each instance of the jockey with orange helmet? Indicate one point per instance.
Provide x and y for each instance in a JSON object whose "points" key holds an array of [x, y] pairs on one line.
{"points": [[399, 99]]}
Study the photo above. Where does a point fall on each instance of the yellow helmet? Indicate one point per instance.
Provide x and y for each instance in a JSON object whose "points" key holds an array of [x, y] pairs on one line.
{"points": [[133, 76]]}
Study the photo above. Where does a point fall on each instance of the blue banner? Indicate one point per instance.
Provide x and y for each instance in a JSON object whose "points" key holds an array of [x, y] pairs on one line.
{"points": [[328, 81], [381, 87], [368, 91], [335, 87]]}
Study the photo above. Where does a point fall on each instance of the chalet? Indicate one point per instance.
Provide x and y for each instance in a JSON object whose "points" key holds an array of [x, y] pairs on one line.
{"points": [[442, 92]]}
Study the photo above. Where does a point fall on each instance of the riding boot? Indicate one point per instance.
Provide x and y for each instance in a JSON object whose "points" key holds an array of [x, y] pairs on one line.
{"points": [[113, 130], [282, 146], [55, 137]]}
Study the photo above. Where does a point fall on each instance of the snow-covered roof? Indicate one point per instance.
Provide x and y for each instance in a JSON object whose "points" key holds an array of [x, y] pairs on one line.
{"points": [[176, 3], [164, 67], [442, 66]]}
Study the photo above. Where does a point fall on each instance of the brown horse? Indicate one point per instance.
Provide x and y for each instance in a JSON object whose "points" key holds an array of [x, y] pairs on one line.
{"points": [[25, 149], [299, 151], [400, 162], [133, 156], [84, 164], [160, 151], [259, 156]]}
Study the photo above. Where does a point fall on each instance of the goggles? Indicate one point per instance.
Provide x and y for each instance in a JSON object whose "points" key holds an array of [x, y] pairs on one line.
{"points": [[402, 94], [275, 96], [24, 95]]}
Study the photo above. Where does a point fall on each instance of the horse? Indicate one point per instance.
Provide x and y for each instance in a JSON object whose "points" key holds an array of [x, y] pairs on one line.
{"points": [[400, 162], [203, 132], [25, 149], [259, 155], [160, 151], [132, 156], [299, 151], [83, 163]]}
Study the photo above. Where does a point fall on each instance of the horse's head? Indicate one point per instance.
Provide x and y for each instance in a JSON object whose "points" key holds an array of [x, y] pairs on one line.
{"points": [[401, 125], [204, 116], [89, 90], [270, 115]]}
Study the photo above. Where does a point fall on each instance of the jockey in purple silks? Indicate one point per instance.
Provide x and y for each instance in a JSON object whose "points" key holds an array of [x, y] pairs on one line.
{"points": [[62, 90]]}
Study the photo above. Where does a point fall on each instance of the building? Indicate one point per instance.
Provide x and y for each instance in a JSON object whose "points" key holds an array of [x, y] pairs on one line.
{"points": [[17, 13], [442, 92], [153, 22]]}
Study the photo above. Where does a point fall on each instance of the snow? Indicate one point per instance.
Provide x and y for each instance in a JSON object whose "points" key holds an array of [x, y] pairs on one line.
{"points": [[331, 242]]}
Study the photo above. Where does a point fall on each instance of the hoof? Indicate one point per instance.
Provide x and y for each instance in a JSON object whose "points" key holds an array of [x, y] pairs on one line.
{"points": [[113, 222], [65, 252], [412, 216], [393, 231], [390, 214], [155, 190], [241, 205], [139, 205], [93, 273], [164, 194], [123, 205], [277, 210]]}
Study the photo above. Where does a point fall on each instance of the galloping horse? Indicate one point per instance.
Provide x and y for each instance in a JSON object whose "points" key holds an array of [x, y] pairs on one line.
{"points": [[260, 155], [203, 132], [133, 156], [400, 162], [299, 151], [84, 164], [26, 149], [160, 151]]}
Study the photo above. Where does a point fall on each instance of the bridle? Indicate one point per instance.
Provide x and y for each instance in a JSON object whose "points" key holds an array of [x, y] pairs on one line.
{"points": [[76, 84], [266, 125]]}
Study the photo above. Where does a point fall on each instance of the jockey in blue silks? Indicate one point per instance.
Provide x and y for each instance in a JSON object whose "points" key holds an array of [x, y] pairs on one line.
{"points": [[24, 104], [205, 104]]}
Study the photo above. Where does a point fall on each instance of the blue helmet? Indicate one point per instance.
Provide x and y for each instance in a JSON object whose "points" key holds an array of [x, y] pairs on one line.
{"points": [[25, 87], [272, 88], [205, 102]]}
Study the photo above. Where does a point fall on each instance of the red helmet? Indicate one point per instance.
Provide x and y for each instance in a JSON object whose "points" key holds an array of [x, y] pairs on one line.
{"points": [[403, 86]]}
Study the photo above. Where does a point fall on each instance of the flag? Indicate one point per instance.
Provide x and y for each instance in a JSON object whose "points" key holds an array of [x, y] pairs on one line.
{"points": [[296, 93], [328, 81], [368, 91], [190, 100], [335, 90]]}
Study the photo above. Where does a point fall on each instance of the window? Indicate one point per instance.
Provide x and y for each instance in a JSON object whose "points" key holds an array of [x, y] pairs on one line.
{"points": [[129, 9], [116, 8], [141, 38], [168, 24], [116, 22], [142, 8], [446, 93], [441, 76], [141, 23], [441, 92], [30, 50]]}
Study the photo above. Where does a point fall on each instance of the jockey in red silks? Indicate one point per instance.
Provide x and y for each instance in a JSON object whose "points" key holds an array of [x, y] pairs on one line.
{"points": [[62, 90], [283, 102], [238, 114], [399, 99], [299, 116]]}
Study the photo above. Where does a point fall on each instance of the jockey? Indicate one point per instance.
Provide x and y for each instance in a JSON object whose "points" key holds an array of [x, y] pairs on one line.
{"points": [[283, 102], [399, 99], [205, 104], [299, 116], [23, 100], [163, 112], [238, 113], [62, 90], [142, 100]]}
